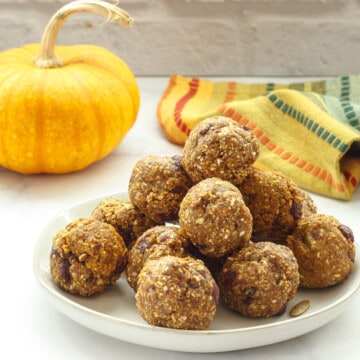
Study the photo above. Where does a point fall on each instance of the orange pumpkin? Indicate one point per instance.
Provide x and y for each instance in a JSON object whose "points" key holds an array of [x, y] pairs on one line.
{"points": [[61, 113]]}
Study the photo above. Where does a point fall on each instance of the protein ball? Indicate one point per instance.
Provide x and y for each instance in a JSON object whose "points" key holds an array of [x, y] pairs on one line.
{"points": [[128, 221], [177, 293], [219, 147], [153, 244], [157, 186], [324, 249], [276, 203], [215, 218], [87, 256], [259, 280]]}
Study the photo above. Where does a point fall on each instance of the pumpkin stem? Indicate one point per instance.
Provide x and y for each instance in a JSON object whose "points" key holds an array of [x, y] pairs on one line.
{"points": [[46, 57]]}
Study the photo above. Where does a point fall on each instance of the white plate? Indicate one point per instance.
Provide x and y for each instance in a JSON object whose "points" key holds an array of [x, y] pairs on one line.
{"points": [[114, 312]]}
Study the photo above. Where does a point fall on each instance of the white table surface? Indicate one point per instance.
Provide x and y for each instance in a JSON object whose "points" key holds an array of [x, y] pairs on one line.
{"points": [[32, 326]]}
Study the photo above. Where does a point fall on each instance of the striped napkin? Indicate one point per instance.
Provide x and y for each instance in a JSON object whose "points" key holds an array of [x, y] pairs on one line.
{"points": [[309, 131]]}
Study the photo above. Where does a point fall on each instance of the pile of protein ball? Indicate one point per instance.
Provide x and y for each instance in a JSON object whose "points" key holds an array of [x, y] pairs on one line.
{"points": [[203, 228]]}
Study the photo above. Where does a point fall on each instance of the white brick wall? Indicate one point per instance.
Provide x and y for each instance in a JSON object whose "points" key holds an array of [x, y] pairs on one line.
{"points": [[208, 37]]}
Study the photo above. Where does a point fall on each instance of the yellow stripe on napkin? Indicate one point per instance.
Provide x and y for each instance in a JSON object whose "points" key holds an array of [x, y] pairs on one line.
{"points": [[308, 131]]}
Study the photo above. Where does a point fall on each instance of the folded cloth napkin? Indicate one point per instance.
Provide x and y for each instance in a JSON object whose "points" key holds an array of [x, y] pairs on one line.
{"points": [[309, 131]]}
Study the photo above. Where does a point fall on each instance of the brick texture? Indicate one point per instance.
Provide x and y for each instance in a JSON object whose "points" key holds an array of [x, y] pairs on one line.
{"points": [[208, 37]]}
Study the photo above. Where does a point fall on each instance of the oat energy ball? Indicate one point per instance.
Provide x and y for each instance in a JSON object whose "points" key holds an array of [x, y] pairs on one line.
{"points": [[157, 185], [215, 218], [275, 203], [219, 147], [259, 280], [87, 256], [324, 249], [153, 244], [128, 221], [177, 293]]}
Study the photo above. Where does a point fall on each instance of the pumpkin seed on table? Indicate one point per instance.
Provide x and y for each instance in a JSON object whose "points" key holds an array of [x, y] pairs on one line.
{"points": [[300, 308], [63, 108]]}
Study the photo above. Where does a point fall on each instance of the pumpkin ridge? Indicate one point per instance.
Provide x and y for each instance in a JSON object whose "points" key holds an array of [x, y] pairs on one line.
{"points": [[122, 121], [38, 152], [135, 104], [64, 105], [15, 78], [95, 111]]}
